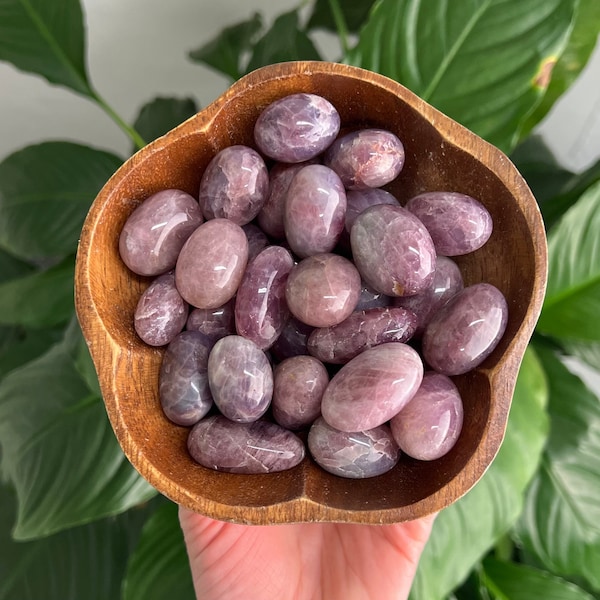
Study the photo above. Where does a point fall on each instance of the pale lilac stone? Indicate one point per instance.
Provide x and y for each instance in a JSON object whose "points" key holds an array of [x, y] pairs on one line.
{"points": [[458, 224], [261, 311], [355, 455], [183, 381], [250, 448], [257, 240], [429, 425], [161, 312], [359, 332], [214, 323], [392, 250], [296, 128], [211, 264], [292, 341], [372, 388], [298, 386], [323, 290], [234, 185], [357, 201], [465, 330], [370, 298], [240, 378], [314, 211], [367, 158], [156, 230]]}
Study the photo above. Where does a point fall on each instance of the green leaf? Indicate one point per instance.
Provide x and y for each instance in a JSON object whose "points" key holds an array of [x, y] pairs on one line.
{"points": [[85, 367], [159, 568], [46, 38], [560, 525], [355, 14], [588, 352], [58, 448], [475, 522], [283, 42], [11, 267], [572, 300], [45, 194], [478, 61], [225, 53]]}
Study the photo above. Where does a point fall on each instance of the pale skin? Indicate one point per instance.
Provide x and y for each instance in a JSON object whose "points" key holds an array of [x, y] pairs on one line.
{"points": [[303, 561]]}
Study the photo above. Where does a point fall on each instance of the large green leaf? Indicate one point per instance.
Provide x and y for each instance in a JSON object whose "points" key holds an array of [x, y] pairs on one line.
{"points": [[475, 522], [58, 448], [159, 568], [354, 13], [11, 267], [479, 61], [45, 193], [588, 352], [46, 37], [560, 525], [572, 302]]}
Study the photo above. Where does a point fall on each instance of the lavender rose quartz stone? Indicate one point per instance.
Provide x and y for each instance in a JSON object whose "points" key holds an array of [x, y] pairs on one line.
{"points": [[357, 201], [292, 341], [370, 298], [214, 323], [257, 240]]}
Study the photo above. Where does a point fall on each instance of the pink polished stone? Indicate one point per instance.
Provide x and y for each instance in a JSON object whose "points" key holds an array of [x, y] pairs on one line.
{"points": [[214, 323], [359, 200], [161, 312], [429, 425], [323, 290], [465, 330], [296, 128], [257, 240], [249, 448], [211, 264], [156, 230], [355, 455], [261, 311], [370, 298], [292, 341], [314, 211], [298, 386], [234, 185], [458, 224], [372, 388], [392, 250]]}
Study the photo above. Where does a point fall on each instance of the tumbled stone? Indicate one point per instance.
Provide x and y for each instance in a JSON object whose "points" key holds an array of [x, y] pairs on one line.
{"points": [[214, 323], [250, 448], [370, 298], [356, 455], [257, 240], [465, 330], [357, 201], [156, 230], [292, 341], [429, 425], [372, 388], [296, 128], [183, 380], [211, 264]]}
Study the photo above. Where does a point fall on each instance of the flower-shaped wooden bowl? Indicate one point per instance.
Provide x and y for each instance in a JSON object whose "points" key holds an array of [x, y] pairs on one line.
{"points": [[440, 155]]}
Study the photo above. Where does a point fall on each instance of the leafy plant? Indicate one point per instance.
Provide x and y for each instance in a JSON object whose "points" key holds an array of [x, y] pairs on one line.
{"points": [[76, 521]]}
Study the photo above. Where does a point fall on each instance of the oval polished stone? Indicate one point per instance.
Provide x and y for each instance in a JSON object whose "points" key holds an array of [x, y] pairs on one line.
{"points": [[211, 264], [429, 425], [183, 380], [296, 128], [372, 387], [392, 250], [370, 298], [458, 224], [357, 201], [257, 240], [292, 341], [465, 330], [235, 185], [367, 158], [214, 323], [161, 312], [250, 448], [240, 378], [261, 311], [156, 230], [314, 212], [323, 290], [359, 332], [356, 455], [299, 383]]}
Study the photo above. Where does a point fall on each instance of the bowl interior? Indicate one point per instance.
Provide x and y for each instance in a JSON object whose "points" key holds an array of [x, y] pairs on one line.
{"points": [[440, 155]]}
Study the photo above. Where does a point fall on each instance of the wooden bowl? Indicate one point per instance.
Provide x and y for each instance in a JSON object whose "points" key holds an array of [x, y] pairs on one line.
{"points": [[440, 155]]}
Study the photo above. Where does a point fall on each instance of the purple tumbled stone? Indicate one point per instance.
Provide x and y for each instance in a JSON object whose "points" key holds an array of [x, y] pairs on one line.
{"points": [[296, 128], [257, 240], [240, 378], [465, 330], [261, 311], [250, 448], [161, 312], [458, 224], [370, 298], [183, 381], [292, 341], [235, 185], [156, 230], [355, 455], [214, 323], [357, 201], [429, 425]]}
